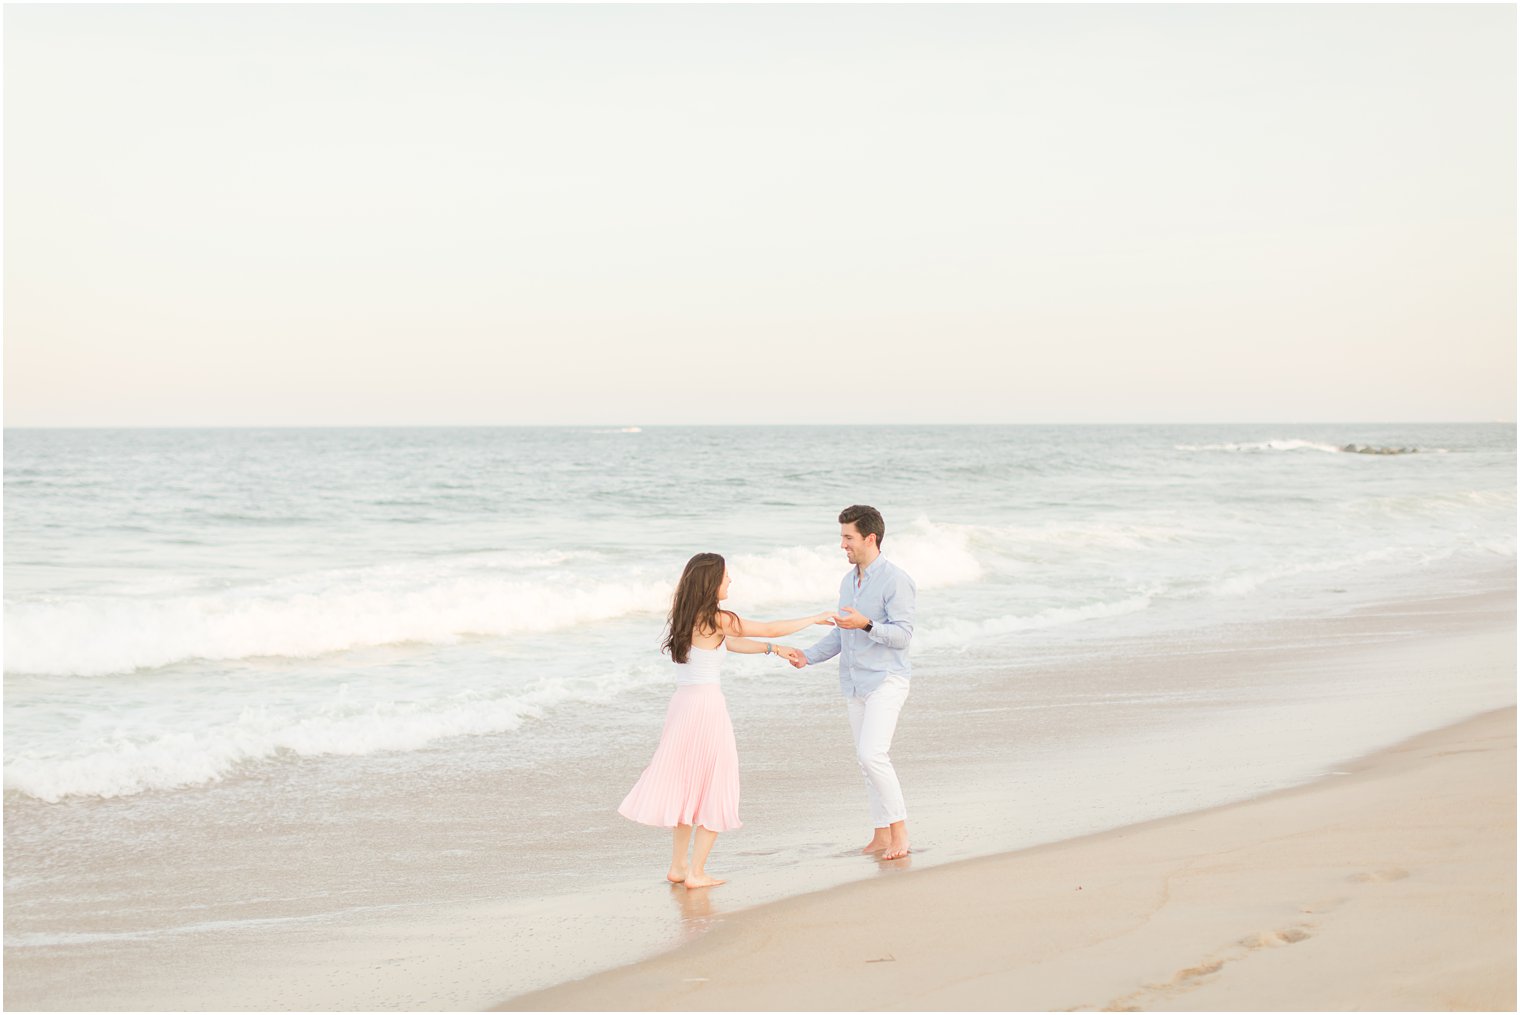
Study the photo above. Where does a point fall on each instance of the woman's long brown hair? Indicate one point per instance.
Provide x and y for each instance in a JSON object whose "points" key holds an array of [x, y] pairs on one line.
{"points": [[695, 606]]}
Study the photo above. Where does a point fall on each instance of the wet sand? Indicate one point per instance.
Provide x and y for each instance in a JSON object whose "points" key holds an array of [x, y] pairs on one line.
{"points": [[1389, 884]]}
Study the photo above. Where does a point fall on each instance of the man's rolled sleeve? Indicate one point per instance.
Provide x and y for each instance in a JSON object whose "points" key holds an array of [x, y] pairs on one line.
{"points": [[896, 629]]}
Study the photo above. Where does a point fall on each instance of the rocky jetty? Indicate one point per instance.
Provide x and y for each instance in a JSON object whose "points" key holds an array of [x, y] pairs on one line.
{"points": [[1372, 449]]}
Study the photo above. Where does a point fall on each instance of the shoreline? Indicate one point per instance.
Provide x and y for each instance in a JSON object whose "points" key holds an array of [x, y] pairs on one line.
{"points": [[1261, 708], [1387, 909]]}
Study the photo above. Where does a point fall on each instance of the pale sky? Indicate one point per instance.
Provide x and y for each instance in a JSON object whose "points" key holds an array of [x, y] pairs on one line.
{"points": [[350, 215]]}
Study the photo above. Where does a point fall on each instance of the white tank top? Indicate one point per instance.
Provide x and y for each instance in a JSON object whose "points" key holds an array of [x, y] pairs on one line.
{"points": [[702, 666]]}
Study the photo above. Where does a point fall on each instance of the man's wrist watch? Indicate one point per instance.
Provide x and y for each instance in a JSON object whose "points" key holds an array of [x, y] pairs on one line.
{"points": [[869, 624]]}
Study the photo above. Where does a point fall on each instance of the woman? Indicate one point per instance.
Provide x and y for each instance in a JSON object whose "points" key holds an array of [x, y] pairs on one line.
{"points": [[693, 780]]}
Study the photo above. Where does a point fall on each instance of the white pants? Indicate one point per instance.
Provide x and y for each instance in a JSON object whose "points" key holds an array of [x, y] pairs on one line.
{"points": [[873, 720]]}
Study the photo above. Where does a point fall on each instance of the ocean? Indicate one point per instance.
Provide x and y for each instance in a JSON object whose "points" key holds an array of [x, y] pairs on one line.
{"points": [[259, 679]]}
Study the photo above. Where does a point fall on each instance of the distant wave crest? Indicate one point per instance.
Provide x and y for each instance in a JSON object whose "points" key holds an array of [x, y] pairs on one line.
{"points": [[1302, 445], [1281, 445]]}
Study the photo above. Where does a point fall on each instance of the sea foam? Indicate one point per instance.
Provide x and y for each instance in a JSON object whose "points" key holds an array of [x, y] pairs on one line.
{"points": [[322, 613], [98, 635], [168, 751], [965, 632]]}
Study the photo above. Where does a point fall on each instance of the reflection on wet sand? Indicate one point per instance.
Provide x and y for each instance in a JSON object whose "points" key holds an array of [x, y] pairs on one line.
{"points": [[696, 908]]}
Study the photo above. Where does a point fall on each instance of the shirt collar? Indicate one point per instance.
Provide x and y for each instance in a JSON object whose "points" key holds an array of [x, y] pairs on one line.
{"points": [[873, 567]]}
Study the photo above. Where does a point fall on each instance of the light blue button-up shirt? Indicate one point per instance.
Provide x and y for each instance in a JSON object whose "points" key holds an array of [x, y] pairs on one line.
{"points": [[886, 597]]}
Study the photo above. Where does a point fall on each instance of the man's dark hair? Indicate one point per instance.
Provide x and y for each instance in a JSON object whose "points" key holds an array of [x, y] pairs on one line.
{"points": [[867, 521]]}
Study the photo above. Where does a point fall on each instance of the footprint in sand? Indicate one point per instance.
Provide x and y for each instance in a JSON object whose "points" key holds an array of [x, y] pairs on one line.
{"points": [[1185, 979], [1275, 938], [1385, 874], [1202, 969]]}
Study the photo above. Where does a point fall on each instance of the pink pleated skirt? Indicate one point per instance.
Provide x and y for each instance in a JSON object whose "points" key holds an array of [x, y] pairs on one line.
{"points": [[694, 776]]}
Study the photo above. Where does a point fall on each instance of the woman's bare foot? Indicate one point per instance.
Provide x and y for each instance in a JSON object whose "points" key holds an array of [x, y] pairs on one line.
{"points": [[702, 881], [898, 848], [675, 875], [877, 844]]}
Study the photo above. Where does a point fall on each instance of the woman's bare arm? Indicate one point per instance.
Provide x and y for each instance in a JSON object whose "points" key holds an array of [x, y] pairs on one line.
{"points": [[746, 646], [775, 628]]}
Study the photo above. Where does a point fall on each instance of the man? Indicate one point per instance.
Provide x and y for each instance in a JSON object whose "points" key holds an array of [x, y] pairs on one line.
{"points": [[874, 627]]}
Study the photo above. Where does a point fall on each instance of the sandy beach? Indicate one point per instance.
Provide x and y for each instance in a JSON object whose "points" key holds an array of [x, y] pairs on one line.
{"points": [[1389, 884]]}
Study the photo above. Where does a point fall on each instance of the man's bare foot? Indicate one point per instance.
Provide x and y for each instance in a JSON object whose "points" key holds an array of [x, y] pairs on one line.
{"points": [[702, 881], [675, 875], [876, 845], [898, 848]]}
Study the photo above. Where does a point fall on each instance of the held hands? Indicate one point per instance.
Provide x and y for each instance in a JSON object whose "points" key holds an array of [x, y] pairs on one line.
{"points": [[826, 618], [850, 620], [791, 655]]}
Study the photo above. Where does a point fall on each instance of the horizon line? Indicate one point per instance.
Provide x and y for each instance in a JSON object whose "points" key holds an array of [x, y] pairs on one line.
{"points": [[631, 426]]}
